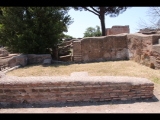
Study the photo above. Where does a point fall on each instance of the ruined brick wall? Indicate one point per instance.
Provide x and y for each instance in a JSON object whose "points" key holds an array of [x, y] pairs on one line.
{"points": [[77, 52], [100, 49], [144, 49], [139, 46], [69, 89], [117, 30]]}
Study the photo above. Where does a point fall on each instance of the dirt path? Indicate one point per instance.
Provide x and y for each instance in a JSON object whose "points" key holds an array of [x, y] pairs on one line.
{"points": [[138, 106]]}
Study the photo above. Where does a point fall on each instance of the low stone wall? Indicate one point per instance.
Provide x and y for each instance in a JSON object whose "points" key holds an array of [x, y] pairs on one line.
{"points": [[144, 49], [37, 58], [72, 88], [103, 48], [24, 60]]}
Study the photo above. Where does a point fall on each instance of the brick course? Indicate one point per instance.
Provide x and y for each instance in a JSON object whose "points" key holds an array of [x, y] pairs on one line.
{"points": [[117, 30], [69, 89]]}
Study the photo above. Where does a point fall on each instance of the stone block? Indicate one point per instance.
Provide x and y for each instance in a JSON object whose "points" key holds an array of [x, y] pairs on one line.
{"points": [[21, 60], [37, 58], [47, 61]]}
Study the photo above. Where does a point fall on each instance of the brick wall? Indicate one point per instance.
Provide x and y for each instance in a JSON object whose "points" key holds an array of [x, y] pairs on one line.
{"points": [[77, 55], [144, 49], [100, 49], [69, 89], [117, 30]]}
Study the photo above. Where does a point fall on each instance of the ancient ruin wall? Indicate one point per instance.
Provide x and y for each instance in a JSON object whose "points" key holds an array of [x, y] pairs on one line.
{"points": [[100, 49], [139, 47], [24, 60], [117, 30], [68, 89], [144, 49], [77, 52]]}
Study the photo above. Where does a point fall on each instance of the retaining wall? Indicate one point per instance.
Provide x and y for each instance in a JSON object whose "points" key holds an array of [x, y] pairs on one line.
{"points": [[144, 49], [72, 88], [24, 60], [100, 49]]}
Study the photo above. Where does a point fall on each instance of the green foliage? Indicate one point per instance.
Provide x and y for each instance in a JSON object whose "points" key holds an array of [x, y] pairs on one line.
{"points": [[67, 36], [32, 29], [91, 32]]}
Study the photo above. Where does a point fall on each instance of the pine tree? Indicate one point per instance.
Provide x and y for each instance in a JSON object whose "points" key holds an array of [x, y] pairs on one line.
{"points": [[32, 29], [102, 11]]}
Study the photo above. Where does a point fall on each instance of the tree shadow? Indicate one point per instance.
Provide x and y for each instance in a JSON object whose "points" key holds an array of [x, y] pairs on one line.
{"points": [[80, 103], [62, 63], [58, 64], [67, 63]]}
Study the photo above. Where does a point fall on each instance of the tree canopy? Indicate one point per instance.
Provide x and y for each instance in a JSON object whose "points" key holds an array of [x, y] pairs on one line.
{"points": [[68, 37], [92, 32], [102, 11], [32, 29]]}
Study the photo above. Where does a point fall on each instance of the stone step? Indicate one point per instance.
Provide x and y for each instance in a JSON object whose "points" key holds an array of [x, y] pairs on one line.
{"points": [[77, 56], [77, 53], [66, 58], [11, 55], [77, 59]]}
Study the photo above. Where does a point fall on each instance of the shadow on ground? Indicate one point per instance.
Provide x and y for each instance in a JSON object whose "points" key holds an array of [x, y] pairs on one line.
{"points": [[51, 65], [74, 104], [62, 63]]}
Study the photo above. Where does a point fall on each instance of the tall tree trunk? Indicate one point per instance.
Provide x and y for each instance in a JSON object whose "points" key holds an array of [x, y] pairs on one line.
{"points": [[102, 19], [103, 26]]}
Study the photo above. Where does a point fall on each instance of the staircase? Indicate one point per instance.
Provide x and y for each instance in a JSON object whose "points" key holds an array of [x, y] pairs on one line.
{"points": [[77, 57], [65, 51]]}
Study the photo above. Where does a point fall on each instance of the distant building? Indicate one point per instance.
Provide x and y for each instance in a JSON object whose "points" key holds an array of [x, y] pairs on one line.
{"points": [[117, 30]]}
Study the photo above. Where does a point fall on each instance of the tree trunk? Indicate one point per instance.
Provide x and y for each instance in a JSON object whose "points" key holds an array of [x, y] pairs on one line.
{"points": [[102, 19], [103, 26]]}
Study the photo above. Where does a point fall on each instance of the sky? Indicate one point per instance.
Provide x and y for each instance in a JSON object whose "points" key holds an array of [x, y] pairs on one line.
{"points": [[84, 19]]}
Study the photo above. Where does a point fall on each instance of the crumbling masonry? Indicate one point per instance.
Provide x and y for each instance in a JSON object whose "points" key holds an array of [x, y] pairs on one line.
{"points": [[117, 29], [144, 49]]}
